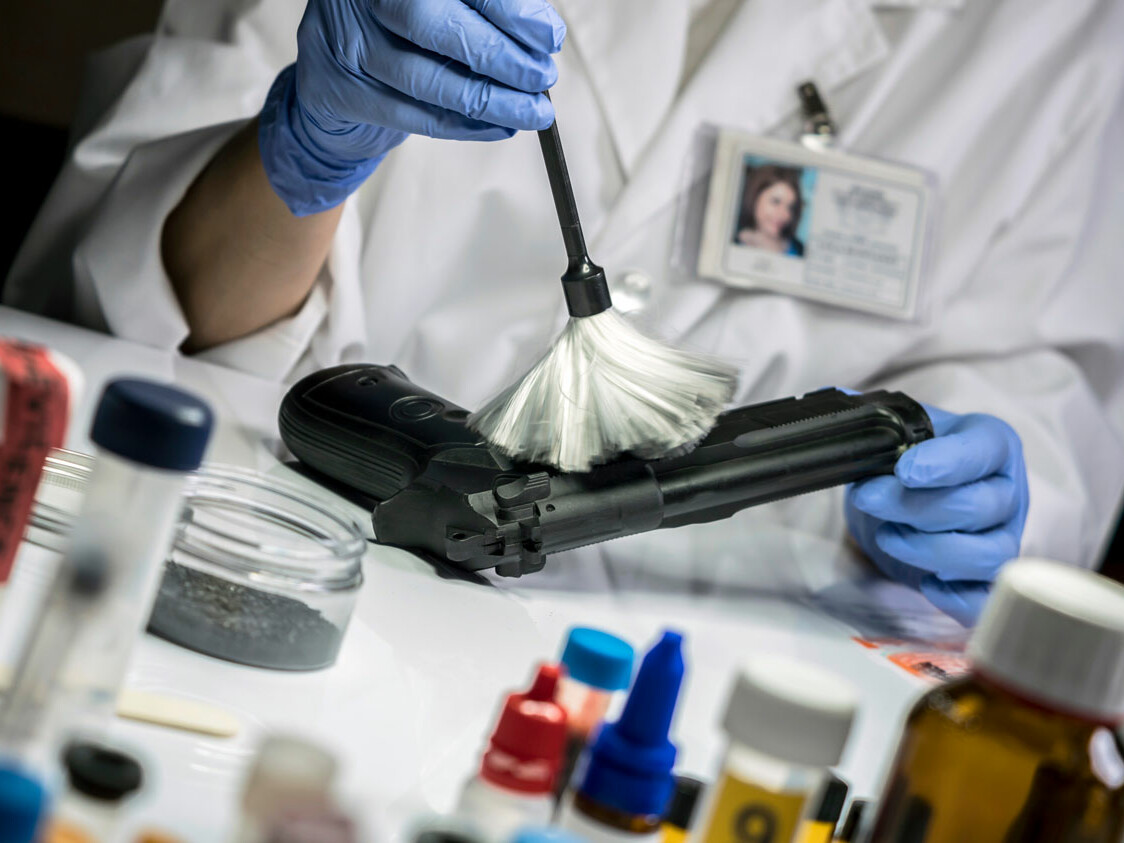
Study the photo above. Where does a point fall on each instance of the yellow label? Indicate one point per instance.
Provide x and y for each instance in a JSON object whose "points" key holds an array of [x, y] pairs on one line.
{"points": [[746, 813]]}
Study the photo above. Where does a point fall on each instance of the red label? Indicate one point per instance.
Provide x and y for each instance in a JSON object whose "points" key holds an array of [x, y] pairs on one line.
{"points": [[34, 423]]}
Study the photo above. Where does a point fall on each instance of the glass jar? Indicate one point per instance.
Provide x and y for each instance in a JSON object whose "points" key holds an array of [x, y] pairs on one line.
{"points": [[262, 572]]}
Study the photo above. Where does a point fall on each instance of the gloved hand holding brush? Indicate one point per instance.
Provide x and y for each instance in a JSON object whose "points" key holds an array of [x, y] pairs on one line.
{"points": [[370, 72]]}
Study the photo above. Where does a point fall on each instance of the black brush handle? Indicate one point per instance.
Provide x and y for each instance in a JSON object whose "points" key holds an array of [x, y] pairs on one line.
{"points": [[587, 291]]}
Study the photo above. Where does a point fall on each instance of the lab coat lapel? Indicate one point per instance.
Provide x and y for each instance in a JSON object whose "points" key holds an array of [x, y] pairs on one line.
{"points": [[633, 52], [747, 81]]}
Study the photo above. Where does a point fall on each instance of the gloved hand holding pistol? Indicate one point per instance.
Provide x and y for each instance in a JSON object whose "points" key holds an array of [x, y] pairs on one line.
{"points": [[951, 513], [370, 72]]}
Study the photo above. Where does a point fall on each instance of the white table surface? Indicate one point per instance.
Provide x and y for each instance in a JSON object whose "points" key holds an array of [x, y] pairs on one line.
{"points": [[426, 660]]}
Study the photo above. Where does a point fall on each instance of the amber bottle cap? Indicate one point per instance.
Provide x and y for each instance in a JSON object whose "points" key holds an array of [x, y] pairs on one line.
{"points": [[1055, 633]]}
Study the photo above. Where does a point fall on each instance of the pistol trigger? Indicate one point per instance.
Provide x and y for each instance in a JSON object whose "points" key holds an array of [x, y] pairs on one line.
{"points": [[462, 545]]}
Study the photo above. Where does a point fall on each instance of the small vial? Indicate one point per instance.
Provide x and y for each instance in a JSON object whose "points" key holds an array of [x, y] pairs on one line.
{"points": [[849, 831], [598, 665], [289, 776], [819, 827], [72, 597], [681, 810], [627, 783], [1025, 748], [787, 722], [100, 780], [515, 785], [148, 436]]}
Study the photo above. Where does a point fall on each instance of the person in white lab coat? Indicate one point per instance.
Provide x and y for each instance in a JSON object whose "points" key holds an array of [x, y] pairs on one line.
{"points": [[444, 259]]}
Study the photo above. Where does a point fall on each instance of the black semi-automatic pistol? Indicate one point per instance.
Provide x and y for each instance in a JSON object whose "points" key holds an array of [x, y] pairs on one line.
{"points": [[439, 489]]}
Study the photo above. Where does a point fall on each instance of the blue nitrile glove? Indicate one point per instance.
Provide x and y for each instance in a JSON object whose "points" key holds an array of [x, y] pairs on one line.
{"points": [[370, 72], [951, 513]]}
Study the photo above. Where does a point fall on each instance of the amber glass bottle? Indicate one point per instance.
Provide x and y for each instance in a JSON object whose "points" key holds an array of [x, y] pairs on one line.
{"points": [[1024, 749]]}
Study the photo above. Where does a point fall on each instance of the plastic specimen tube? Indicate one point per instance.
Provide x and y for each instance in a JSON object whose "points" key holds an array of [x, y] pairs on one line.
{"points": [[75, 592], [148, 436], [598, 664]]}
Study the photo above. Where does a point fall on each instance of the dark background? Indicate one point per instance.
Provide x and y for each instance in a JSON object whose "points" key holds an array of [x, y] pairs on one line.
{"points": [[43, 46]]}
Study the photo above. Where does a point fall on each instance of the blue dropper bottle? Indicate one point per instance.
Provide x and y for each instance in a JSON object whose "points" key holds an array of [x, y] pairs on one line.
{"points": [[628, 780]]}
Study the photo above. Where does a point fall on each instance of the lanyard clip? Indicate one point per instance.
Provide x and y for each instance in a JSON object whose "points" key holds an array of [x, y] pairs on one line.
{"points": [[819, 129]]}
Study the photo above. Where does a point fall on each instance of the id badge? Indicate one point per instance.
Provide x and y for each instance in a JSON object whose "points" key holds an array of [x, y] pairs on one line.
{"points": [[825, 225]]}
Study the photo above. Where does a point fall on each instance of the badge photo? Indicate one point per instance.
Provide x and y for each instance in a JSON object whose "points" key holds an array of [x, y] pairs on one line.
{"points": [[819, 224]]}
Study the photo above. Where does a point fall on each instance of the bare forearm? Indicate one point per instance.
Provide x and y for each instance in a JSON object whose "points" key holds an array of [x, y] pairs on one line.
{"points": [[237, 257]]}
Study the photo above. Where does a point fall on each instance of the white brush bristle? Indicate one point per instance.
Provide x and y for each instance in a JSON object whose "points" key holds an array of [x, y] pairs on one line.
{"points": [[603, 389]]}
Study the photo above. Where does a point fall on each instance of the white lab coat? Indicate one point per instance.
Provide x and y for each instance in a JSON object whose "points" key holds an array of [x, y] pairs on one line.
{"points": [[446, 261]]}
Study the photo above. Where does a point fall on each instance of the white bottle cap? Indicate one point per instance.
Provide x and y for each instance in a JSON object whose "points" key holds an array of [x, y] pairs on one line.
{"points": [[1055, 633], [287, 767], [790, 710]]}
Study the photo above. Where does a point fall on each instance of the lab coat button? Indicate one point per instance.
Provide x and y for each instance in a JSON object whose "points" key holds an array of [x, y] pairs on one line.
{"points": [[631, 290]]}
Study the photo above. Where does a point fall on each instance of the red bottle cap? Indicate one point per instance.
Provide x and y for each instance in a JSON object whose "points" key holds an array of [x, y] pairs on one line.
{"points": [[526, 748]]}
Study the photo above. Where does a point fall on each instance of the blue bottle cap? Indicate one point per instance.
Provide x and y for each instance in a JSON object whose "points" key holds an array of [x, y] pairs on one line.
{"points": [[153, 423], [598, 659], [630, 763], [545, 834], [22, 804]]}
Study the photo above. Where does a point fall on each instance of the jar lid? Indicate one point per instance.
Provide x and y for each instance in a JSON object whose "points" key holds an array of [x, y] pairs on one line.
{"points": [[152, 423], [100, 772], [791, 710], [1055, 633]]}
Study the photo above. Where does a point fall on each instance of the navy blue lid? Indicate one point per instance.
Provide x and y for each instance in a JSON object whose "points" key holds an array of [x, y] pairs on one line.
{"points": [[22, 804], [152, 423], [629, 766], [598, 659]]}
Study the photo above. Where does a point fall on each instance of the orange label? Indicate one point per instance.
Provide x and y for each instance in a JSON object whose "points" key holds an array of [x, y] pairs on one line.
{"points": [[939, 667]]}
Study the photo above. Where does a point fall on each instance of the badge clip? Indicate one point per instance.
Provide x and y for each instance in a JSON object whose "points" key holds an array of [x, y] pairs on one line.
{"points": [[819, 130]]}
